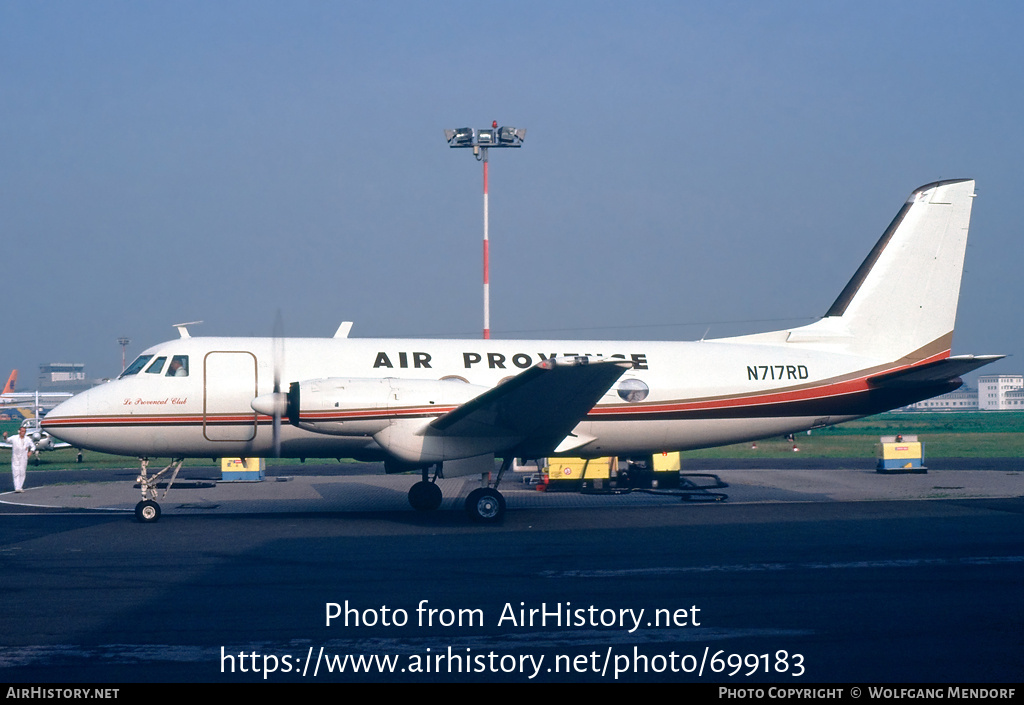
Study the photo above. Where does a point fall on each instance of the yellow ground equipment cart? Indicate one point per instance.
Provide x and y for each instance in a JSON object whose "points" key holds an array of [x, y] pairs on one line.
{"points": [[242, 469], [659, 474], [580, 473], [901, 454]]}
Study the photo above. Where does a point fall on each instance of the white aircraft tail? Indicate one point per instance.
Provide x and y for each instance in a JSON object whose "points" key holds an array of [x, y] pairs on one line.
{"points": [[901, 303]]}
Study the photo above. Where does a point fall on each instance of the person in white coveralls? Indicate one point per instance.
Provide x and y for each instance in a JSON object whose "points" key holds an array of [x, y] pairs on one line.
{"points": [[21, 446]]}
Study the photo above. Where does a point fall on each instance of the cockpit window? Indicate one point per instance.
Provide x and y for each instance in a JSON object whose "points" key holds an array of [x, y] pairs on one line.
{"points": [[178, 366], [157, 366], [135, 367]]}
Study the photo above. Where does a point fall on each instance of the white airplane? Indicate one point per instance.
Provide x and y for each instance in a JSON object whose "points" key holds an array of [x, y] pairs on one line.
{"points": [[37, 400], [419, 403], [42, 440], [9, 397]]}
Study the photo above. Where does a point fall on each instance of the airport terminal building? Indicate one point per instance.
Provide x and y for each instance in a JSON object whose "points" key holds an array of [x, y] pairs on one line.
{"points": [[63, 377], [994, 393]]}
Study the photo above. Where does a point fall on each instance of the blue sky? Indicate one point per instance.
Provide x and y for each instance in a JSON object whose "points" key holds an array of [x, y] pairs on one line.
{"points": [[689, 168]]}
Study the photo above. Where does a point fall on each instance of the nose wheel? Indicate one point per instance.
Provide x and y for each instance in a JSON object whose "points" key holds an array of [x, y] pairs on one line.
{"points": [[147, 511]]}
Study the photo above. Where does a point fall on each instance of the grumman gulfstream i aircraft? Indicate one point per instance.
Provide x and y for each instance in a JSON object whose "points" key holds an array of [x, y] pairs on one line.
{"points": [[416, 404]]}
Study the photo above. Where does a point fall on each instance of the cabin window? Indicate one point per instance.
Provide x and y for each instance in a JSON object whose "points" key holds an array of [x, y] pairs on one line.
{"points": [[157, 366], [136, 366], [178, 366]]}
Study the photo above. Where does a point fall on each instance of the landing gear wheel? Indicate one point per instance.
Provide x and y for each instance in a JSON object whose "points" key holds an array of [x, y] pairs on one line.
{"points": [[485, 506], [147, 511], [425, 496]]}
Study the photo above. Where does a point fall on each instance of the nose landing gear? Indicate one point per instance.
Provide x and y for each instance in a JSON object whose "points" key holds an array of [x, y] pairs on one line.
{"points": [[148, 511]]}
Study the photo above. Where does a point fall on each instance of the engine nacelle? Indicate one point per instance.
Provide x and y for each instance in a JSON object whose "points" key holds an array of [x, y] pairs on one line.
{"points": [[363, 407]]}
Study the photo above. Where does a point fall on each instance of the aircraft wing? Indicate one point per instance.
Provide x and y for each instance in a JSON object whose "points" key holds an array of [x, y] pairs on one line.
{"points": [[51, 446], [30, 396], [541, 405], [55, 446], [947, 370], [20, 398]]}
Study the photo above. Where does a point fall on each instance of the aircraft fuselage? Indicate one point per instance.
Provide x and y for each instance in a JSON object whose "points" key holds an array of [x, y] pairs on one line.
{"points": [[675, 395]]}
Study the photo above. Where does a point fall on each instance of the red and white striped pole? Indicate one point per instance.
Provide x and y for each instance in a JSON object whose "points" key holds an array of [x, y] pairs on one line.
{"points": [[480, 141], [487, 258]]}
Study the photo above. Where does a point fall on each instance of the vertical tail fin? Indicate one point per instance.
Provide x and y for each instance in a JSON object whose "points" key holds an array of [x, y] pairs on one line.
{"points": [[901, 302], [11, 382]]}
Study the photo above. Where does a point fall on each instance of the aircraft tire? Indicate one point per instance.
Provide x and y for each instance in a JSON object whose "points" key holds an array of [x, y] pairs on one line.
{"points": [[147, 511], [425, 496], [485, 506]]}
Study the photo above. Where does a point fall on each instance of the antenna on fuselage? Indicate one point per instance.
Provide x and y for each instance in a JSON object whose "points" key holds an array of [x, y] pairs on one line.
{"points": [[183, 328]]}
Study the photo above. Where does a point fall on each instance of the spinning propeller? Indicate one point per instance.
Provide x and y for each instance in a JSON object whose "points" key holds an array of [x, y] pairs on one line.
{"points": [[275, 404]]}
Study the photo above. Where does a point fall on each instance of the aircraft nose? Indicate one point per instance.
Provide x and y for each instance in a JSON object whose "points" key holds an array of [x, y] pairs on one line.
{"points": [[57, 412], [65, 420]]}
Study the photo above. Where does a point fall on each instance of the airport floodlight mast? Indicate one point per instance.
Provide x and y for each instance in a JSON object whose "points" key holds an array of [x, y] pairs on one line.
{"points": [[123, 342], [480, 141]]}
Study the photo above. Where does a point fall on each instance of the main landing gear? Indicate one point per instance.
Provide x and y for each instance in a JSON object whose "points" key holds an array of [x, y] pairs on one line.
{"points": [[425, 495], [148, 511], [484, 505]]}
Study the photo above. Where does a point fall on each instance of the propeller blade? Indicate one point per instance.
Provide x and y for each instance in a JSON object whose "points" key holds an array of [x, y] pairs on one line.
{"points": [[278, 364]]}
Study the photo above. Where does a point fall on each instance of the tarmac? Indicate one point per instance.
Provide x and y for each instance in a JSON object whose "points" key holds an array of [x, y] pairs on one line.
{"points": [[302, 493], [874, 578]]}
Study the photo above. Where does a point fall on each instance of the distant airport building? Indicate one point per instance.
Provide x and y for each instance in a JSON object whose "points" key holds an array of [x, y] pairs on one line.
{"points": [[963, 399], [63, 377], [1015, 400], [994, 393]]}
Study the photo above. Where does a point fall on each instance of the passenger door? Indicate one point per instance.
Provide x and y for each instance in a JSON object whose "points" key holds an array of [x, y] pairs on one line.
{"points": [[229, 386]]}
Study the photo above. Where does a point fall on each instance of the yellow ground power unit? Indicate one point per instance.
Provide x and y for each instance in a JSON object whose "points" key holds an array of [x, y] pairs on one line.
{"points": [[659, 471], [901, 454], [667, 467], [572, 472], [242, 469]]}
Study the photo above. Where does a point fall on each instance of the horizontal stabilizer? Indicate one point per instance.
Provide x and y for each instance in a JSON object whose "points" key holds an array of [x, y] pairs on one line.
{"points": [[541, 405], [946, 370]]}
